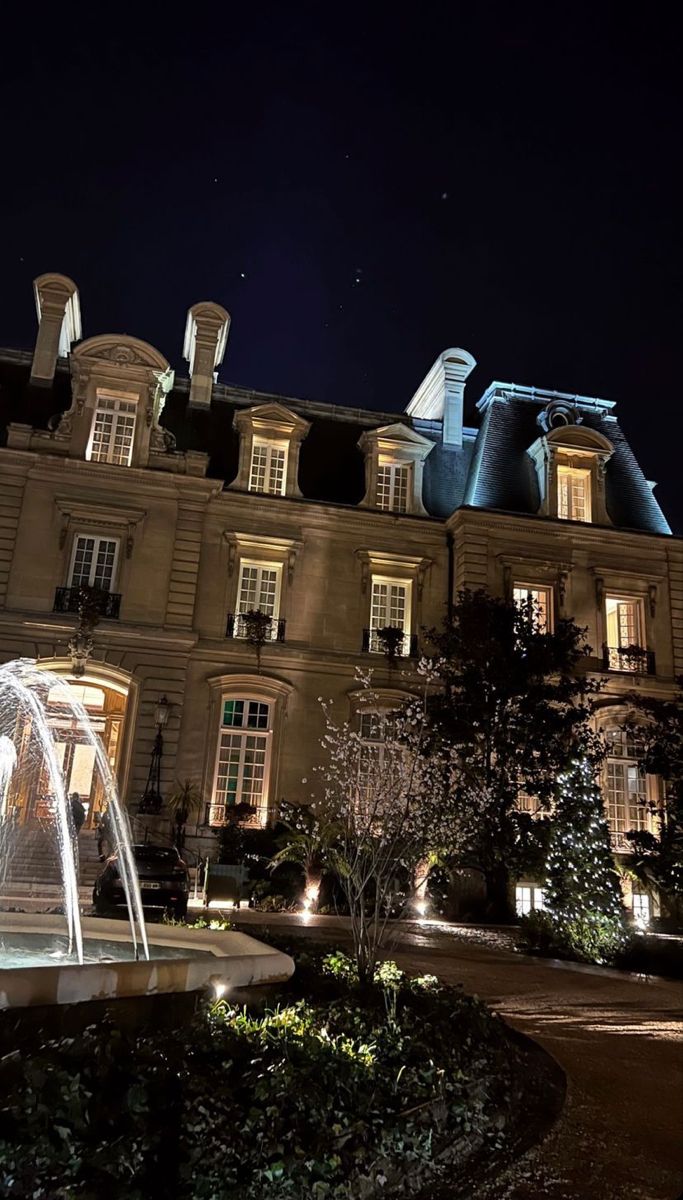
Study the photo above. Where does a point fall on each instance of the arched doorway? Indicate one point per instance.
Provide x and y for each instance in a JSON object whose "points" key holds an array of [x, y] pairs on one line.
{"points": [[106, 701]]}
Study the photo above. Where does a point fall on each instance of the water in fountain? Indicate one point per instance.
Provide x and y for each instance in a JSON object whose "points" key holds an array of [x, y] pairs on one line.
{"points": [[23, 720]]}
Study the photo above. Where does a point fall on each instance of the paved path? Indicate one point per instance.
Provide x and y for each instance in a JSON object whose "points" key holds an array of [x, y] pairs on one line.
{"points": [[618, 1038]]}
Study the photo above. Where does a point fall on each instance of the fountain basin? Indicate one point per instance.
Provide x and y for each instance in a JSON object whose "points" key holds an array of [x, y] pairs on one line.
{"points": [[181, 960]]}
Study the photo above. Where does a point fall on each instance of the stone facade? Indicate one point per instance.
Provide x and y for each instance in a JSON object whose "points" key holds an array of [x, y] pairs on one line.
{"points": [[192, 503]]}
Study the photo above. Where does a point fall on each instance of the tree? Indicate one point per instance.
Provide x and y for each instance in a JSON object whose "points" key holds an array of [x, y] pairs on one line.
{"points": [[657, 858], [185, 801], [513, 704], [582, 892], [387, 802], [306, 842]]}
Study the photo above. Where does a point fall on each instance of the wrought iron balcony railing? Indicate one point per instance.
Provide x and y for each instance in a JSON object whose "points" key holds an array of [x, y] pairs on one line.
{"points": [[237, 626], [70, 600], [634, 660], [374, 643]]}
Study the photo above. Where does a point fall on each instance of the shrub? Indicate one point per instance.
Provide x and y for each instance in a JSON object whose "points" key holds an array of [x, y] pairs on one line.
{"points": [[591, 937], [312, 1099]]}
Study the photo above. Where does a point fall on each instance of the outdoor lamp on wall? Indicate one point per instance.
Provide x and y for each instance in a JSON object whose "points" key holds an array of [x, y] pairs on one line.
{"points": [[152, 799]]}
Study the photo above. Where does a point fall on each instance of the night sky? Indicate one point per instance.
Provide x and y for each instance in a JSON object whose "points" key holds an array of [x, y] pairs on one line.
{"points": [[361, 192]]}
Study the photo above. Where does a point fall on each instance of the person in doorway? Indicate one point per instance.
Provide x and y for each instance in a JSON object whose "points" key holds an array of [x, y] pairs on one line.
{"points": [[77, 812], [105, 841]]}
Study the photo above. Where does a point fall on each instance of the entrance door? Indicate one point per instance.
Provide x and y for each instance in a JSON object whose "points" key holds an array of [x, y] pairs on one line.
{"points": [[105, 708]]}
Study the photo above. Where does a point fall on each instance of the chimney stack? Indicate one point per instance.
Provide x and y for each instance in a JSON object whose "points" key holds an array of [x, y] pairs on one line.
{"points": [[440, 396], [206, 334], [59, 324]]}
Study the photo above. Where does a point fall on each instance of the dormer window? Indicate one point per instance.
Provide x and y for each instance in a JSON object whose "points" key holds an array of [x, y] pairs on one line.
{"points": [[113, 430], [268, 467], [270, 440], [394, 465], [392, 485], [570, 461], [573, 493]]}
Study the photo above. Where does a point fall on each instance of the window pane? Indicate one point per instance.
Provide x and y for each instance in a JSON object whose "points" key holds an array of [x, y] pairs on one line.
{"points": [[536, 601], [93, 563], [268, 467], [573, 490], [113, 431], [392, 487]]}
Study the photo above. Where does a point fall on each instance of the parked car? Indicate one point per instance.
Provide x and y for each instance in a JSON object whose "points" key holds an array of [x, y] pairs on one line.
{"points": [[164, 881]]}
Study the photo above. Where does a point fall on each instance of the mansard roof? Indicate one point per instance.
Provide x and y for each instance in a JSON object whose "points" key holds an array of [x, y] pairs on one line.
{"points": [[491, 469]]}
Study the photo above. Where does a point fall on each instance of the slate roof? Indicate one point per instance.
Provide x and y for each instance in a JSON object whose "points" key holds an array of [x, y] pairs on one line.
{"points": [[503, 476], [490, 470]]}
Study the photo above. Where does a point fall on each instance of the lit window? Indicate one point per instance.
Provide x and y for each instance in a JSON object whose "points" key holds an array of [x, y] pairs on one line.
{"points": [[392, 486], [527, 803], [528, 898], [626, 785], [268, 467], [258, 591], [389, 607], [537, 601], [113, 429], [573, 494], [93, 562], [624, 620], [242, 761], [641, 908]]}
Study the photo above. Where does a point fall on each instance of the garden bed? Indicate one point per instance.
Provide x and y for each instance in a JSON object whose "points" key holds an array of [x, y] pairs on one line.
{"points": [[403, 1088]]}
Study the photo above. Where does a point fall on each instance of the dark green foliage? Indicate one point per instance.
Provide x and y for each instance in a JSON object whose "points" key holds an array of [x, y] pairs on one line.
{"points": [[515, 701], [657, 858], [330, 1096]]}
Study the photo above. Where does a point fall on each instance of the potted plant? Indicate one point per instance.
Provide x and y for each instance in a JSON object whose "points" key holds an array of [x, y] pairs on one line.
{"points": [[390, 640], [257, 628], [184, 802]]}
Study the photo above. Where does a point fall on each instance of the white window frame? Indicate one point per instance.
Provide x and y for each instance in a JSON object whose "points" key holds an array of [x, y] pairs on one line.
{"points": [[373, 625], [641, 908], [119, 398], [521, 593], [565, 472], [271, 446], [260, 817], [529, 897], [623, 762], [399, 481], [97, 539], [260, 566], [615, 660]]}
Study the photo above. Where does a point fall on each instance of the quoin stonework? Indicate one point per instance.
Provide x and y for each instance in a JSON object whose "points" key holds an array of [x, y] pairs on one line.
{"points": [[238, 553]]}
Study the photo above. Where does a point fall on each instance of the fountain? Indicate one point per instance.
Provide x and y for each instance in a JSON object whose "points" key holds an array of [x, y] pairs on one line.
{"points": [[46, 959]]}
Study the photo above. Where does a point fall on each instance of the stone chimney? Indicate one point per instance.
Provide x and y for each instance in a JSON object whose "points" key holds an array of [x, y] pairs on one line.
{"points": [[206, 334], [59, 324], [440, 396]]}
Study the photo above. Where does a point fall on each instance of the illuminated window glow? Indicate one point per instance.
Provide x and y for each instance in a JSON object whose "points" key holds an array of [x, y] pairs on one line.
{"points": [[624, 622], [93, 562], [268, 467], [392, 486], [573, 494], [259, 591], [113, 430], [540, 601], [527, 898], [641, 908], [242, 761], [390, 606]]}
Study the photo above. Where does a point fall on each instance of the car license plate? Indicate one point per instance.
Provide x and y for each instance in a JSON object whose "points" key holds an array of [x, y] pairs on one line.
{"points": [[148, 885]]}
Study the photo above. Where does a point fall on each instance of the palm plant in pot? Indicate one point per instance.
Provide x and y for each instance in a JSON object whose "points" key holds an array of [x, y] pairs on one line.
{"points": [[185, 802]]}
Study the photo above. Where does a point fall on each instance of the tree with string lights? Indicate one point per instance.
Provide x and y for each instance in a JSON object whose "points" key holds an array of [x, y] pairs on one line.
{"points": [[583, 903]]}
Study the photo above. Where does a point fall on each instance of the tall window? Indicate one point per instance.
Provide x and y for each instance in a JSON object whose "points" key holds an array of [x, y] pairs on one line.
{"points": [[242, 761], [258, 591], [537, 601], [268, 467], [626, 785], [113, 429], [573, 494], [624, 622], [93, 562], [390, 606], [392, 486]]}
